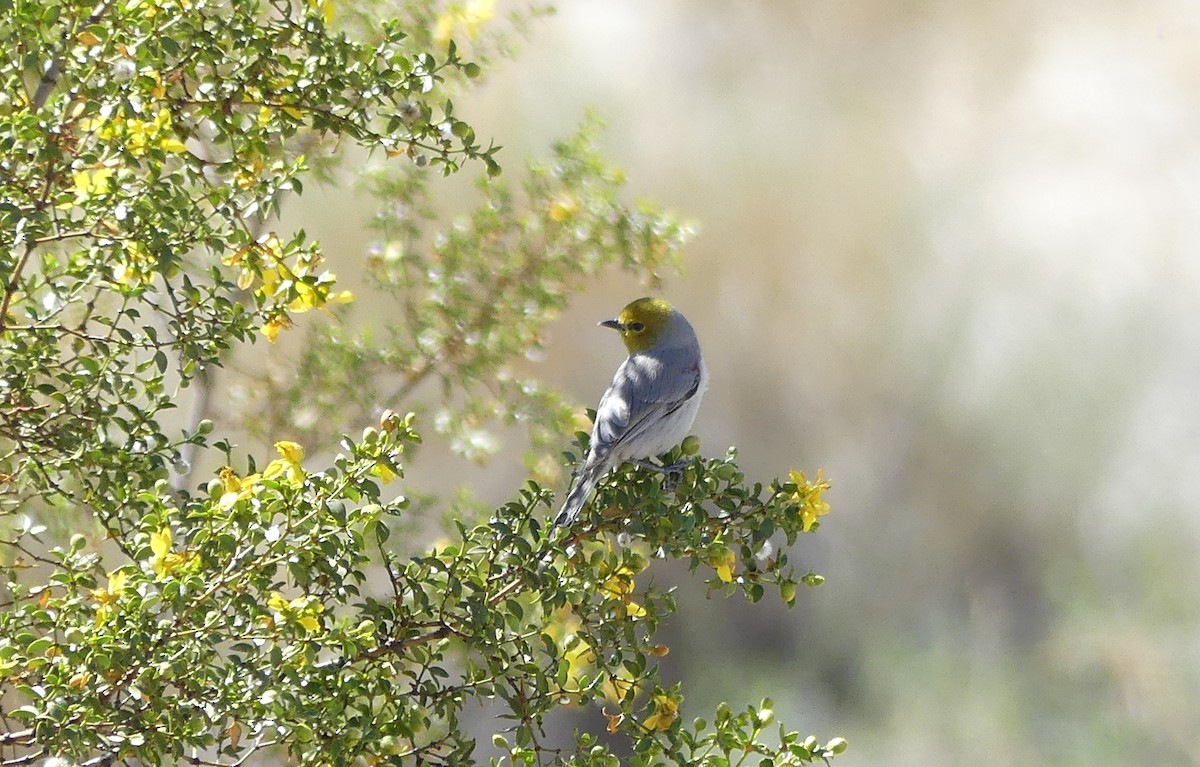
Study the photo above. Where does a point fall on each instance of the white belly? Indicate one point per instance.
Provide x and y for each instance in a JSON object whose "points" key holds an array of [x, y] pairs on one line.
{"points": [[671, 430]]}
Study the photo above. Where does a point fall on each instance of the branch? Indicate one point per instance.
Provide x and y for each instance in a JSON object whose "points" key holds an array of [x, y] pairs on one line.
{"points": [[399, 645], [18, 738], [54, 69], [14, 282], [200, 409], [29, 758], [48, 81]]}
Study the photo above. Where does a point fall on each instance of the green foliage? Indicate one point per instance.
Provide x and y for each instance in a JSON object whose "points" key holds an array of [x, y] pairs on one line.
{"points": [[472, 301], [242, 620], [291, 610], [136, 197]]}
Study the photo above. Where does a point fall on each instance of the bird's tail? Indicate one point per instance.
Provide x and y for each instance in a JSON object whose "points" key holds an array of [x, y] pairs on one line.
{"points": [[593, 469]]}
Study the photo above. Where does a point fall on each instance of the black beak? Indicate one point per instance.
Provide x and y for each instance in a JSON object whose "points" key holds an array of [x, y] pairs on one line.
{"points": [[614, 324]]}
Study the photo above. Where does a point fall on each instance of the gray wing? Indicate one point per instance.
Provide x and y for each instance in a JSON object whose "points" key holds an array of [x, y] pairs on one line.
{"points": [[641, 393]]}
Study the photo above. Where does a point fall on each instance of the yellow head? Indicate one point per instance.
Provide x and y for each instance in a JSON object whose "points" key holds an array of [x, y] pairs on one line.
{"points": [[642, 323]]}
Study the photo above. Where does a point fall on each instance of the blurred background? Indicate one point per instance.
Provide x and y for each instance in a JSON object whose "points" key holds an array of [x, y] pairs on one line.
{"points": [[950, 254]]}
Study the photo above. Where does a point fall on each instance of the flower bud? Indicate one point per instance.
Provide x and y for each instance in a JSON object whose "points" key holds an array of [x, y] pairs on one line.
{"points": [[389, 421]]}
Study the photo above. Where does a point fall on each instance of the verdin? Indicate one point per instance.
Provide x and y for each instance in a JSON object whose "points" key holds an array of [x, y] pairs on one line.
{"points": [[653, 398]]}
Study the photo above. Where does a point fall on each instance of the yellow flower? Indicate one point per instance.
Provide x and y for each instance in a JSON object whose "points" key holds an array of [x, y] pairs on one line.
{"points": [[316, 296], [274, 325], [272, 278], [245, 279], [617, 687], [159, 90], [384, 472], [576, 651], [261, 260], [247, 176], [303, 610], [160, 542], [165, 561], [103, 128], [306, 298], [140, 135], [236, 488], [563, 208], [723, 560], [150, 8], [808, 495], [666, 711], [138, 267], [299, 284], [470, 17], [106, 598], [326, 7], [235, 484], [172, 144], [619, 587], [579, 659], [165, 135], [92, 182], [116, 584], [291, 451], [291, 454], [248, 270]]}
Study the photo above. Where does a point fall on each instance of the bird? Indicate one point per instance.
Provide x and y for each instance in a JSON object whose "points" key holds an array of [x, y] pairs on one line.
{"points": [[652, 401]]}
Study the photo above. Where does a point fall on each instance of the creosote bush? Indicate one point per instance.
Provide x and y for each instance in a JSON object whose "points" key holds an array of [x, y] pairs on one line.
{"points": [[285, 608]]}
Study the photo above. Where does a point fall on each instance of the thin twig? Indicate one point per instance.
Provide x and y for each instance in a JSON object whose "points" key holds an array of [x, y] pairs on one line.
{"points": [[398, 645], [14, 282], [203, 386], [29, 758], [101, 761], [20, 737]]}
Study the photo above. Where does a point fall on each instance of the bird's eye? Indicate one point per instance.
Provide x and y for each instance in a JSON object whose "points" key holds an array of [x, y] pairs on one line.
{"points": [[636, 327]]}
